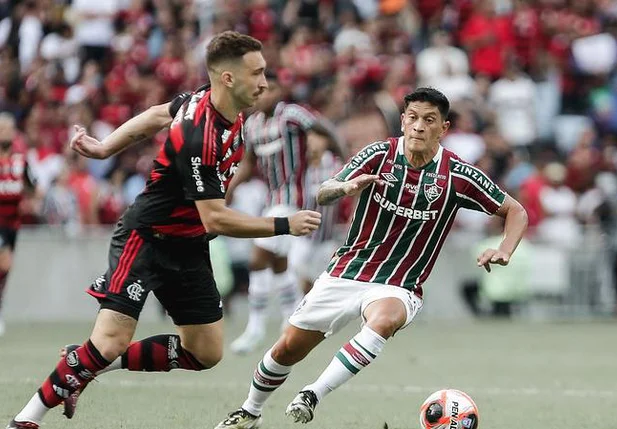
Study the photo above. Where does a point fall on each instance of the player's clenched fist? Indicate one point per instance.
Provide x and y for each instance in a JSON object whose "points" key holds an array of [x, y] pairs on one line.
{"points": [[304, 222]]}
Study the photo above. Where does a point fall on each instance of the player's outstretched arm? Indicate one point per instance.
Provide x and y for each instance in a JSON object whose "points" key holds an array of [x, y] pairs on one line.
{"points": [[515, 225], [136, 129], [333, 189], [220, 219]]}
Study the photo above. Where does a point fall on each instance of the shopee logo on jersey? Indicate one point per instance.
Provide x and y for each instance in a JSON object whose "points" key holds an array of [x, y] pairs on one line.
{"points": [[195, 163]]}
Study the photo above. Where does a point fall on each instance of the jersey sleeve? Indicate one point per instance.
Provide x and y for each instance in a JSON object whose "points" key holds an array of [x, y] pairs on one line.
{"points": [[177, 103], [475, 190], [299, 116], [364, 162], [199, 176]]}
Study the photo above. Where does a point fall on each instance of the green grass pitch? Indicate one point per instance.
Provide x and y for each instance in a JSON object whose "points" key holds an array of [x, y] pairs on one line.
{"points": [[532, 376]]}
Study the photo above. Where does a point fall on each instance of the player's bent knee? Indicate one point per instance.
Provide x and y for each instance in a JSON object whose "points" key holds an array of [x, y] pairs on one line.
{"points": [[111, 347], [283, 353], [205, 352], [386, 324], [209, 358], [294, 345]]}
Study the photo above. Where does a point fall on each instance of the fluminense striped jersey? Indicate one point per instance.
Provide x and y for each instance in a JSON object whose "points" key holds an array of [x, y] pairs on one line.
{"points": [[313, 178], [279, 143], [398, 228]]}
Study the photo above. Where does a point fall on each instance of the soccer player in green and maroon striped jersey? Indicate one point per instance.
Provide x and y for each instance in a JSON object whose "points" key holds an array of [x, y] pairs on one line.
{"points": [[276, 137], [409, 190]]}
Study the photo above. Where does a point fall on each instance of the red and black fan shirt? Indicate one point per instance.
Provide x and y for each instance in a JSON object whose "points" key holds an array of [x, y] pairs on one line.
{"points": [[15, 177], [196, 162]]}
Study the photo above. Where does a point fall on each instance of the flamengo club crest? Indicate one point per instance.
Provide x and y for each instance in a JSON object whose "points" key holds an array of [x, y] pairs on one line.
{"points": [[432, 192]]}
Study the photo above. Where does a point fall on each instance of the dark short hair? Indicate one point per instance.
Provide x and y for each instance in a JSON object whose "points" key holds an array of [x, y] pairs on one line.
{"points": [[432, 96], [230, 45]]}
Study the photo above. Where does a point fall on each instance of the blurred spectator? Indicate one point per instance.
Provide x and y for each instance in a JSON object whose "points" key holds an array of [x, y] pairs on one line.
{"points": [[445, 67], [60, 203], [350, 39], [488, 39], [462, 138], [93, 23], [513, 99], [559, 225], [22, 32], [60, 47], [111, 202], [85, 188]]}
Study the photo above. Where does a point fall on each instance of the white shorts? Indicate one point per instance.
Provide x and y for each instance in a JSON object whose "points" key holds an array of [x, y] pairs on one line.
{"points": [[334, 302], [280, 245], [309, 258]]}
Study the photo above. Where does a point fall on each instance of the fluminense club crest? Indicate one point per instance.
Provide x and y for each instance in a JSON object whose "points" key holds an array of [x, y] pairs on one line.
{"points": [[432, 192]]}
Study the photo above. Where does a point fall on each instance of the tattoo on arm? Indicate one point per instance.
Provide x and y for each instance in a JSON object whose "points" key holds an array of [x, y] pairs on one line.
{"points": [[123, 320], [330, 191], [137, 137]]}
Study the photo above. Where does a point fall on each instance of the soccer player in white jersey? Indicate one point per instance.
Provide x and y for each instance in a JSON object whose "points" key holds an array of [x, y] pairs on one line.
{"points": [[276, 143], [409, 190]]}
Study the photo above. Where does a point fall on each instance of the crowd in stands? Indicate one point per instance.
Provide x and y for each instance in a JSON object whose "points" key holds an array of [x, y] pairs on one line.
{"points": [[533, 86]]}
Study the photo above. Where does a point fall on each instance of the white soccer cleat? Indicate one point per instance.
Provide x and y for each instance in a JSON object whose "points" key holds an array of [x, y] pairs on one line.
{"points": [[240, 419], [302, 408], [247, 342]]}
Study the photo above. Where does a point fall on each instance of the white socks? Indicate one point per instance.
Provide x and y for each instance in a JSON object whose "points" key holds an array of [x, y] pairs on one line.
{"points": [[259, 294], [268, 376], [34, 411], [360, 351], [288, 292]]}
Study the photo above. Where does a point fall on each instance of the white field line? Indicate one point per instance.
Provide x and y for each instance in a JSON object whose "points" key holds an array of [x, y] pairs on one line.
{"points": [[351, 387]]}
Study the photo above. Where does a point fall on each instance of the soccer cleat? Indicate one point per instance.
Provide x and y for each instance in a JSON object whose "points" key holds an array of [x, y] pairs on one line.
{"points": [[247, 342], [70, 403], [22, 425], [240, 419], [302, 408]]}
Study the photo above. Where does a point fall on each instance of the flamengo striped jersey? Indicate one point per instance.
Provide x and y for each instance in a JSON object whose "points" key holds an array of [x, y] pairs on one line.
{"points": [[279, 144], [398, 228], [196, 162]]}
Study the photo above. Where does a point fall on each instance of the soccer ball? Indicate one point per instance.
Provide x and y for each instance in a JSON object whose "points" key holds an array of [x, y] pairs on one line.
{"points": [[449, 409]]}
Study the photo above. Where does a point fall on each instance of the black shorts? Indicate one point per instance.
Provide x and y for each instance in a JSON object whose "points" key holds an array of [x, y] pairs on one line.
{"points": [[179, 273], [8, 236]]}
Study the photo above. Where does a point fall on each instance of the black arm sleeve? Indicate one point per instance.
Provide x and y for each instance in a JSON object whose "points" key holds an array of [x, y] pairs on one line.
{"points": [[177, 102]]}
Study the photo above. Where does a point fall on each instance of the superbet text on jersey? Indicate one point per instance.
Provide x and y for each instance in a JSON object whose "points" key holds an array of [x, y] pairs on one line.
{"points": [[399, 226]]}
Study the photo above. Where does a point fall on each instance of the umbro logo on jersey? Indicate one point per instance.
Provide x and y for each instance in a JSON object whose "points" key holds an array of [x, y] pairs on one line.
{"points": [[225, 135], [389, 177]]}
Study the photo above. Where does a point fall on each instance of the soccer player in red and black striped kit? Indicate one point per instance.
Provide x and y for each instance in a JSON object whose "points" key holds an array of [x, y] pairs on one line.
{"points": [[160, 243], [15, 179]]}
